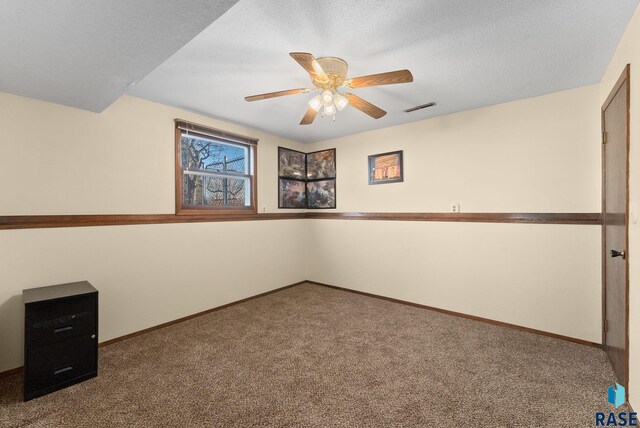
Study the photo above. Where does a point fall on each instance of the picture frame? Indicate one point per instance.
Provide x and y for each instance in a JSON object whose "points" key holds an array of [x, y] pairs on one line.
{"points": [[321, 194], [386, 168], [321, 164], [292, 164], [292, 193], [306, 180]]}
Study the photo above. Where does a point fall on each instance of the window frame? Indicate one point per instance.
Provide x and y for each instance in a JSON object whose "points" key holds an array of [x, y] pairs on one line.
{"points": [[251, 144]]}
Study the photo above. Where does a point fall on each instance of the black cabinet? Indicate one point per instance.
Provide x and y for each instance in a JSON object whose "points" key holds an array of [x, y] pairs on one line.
{"points": [[60, 337]]}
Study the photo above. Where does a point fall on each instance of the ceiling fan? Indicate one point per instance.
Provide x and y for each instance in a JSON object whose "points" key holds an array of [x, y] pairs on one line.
{"points": [[327, 75]]}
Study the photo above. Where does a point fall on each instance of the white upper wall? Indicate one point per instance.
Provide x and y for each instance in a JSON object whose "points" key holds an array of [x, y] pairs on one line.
{"points": [[61, 160], [539, 154]]}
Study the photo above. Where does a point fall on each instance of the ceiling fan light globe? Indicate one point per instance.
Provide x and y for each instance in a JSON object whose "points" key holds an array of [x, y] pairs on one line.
{"points": [[329, 110], [340, 101], [316, 103], [327, 97]]}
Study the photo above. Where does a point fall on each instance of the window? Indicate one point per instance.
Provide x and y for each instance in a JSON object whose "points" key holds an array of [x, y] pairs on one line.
{"points": [[215, 171]]}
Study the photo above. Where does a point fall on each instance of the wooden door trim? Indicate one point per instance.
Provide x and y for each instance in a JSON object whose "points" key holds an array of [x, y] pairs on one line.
{"points": [[624, 77]]}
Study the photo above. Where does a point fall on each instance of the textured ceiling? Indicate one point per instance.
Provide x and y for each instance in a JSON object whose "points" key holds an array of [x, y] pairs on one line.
{"points": [[86, 53], [463, 54]]}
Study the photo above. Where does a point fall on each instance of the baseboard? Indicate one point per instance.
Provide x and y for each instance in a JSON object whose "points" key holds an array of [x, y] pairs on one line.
{"points": [[196, 315], [18, 370], [462, 315], [11, 372]]}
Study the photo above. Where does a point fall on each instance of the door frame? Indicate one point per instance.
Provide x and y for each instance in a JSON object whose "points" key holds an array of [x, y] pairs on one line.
{"points": [[624, 77]]}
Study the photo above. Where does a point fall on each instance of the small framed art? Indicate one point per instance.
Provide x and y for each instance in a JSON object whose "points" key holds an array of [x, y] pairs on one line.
{"points": [[321, 194], [291, 193], [321, 164], [292, 164], [386, 168]]}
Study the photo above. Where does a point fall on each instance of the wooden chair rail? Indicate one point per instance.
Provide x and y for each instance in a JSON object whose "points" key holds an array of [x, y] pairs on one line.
{"points": [[54, 221]]}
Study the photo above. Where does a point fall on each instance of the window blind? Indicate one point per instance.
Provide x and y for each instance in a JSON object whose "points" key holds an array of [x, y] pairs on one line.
{"points": [[214, 133]]}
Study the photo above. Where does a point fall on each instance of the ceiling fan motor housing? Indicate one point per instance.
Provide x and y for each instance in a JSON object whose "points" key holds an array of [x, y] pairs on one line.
{"points": [[336, 71]]}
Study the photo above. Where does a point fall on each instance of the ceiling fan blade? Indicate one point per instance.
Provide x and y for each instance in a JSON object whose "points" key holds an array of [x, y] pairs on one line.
{"points": [[309, 116], [309, 63], [277, 94], [365, 106], [389, 78]]}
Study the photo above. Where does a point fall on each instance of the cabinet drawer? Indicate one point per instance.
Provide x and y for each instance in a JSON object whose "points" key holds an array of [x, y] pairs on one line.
{"points": [[38, 314], [61, 329], [50, 365]]}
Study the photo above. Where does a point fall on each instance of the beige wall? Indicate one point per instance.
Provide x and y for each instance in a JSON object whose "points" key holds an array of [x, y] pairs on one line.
{"points": [[534, 155], [545, 277], [120, 161], [628, 52], [59, 160], [147, 275]]}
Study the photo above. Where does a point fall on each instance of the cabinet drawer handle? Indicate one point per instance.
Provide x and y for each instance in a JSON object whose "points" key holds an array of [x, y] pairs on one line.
{"points": [[62, 370], [63, 328]]}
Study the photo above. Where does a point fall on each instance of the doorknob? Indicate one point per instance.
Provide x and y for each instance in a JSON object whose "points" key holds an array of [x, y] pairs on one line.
{"points": [[621, 253]]}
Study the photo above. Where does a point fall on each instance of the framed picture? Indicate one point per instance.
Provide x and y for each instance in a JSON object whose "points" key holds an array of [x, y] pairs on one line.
{"points": [[292, 164], [386, 168], [321, 164], [291, 193], [321, 194]]}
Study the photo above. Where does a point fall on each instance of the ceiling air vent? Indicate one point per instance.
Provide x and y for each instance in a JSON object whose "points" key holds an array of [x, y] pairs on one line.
{"points": [[420, 107]]}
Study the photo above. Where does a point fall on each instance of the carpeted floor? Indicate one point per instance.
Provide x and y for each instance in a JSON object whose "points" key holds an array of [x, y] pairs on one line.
{"points": [[311, 356]]}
